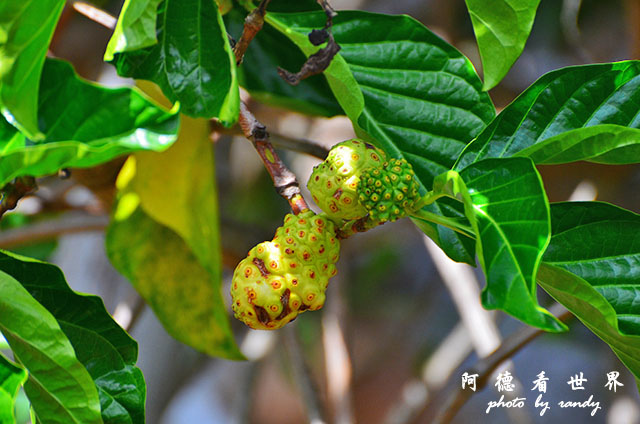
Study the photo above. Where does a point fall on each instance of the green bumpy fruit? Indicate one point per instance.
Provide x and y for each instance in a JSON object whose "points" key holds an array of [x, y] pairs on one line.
{"points": [[282, 278], [333, 183], [389, 193]]}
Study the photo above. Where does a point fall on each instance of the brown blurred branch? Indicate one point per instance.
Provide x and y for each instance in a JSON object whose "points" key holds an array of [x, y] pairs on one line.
{"points": [[45, 230], [95, 14], [485, 367], [632, 8], [284, 180], [252, 25], [12, 192], [302, 374]]}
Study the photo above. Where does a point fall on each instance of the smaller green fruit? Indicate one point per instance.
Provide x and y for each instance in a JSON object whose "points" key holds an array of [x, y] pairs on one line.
{"points": [[333, 183], [389, 193]]}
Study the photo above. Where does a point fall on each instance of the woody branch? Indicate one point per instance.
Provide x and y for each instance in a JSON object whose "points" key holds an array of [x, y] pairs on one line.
{"points": [[284, 180]]}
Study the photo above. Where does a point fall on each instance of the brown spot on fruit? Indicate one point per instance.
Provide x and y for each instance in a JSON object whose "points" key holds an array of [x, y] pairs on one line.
{"points": [[262, 314], [260, 264], [284, 299]]}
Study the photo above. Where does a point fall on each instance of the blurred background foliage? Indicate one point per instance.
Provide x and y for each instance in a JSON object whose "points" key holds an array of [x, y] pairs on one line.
{"points": [[387, 309]]}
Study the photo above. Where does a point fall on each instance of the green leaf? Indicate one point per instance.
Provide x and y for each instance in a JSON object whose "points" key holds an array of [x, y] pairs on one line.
{"points": [[84, 125], [574, 113], [258, 73], [405, 90], [192, 61], [502, 28], [190, 306], [586, 303], [59, 387], [184, 177], [11, 378], [605, 143], [135, 29], [508, 210], [23, 51], [599, 243], [105, 349], [168, 275], [458, 247]]}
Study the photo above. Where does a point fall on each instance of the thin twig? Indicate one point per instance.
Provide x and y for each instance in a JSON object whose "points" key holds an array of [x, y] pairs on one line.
{"points": [[284, 180], [11, 193], [456, 399], [45, 230], [281, 141], [319, 61], [337, 361], [256, 346], [569, 22], [128, 311], [462, 285], [302, 374], [95, 14], [252, 25]]}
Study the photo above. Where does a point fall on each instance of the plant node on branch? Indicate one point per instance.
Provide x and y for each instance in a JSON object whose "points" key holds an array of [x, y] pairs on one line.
{"points": [[284, 180]]}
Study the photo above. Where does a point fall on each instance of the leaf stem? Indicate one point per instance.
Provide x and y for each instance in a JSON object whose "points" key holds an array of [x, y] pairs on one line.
{"points": [[428, 199], [284, 180], [450, 223]]}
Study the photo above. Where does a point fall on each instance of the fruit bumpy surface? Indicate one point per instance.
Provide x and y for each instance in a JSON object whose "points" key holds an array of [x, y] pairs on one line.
{"points": [[390, 192], [281, 278], [334, 183]]}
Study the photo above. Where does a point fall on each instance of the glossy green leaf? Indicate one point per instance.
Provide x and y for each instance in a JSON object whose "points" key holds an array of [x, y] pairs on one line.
{"points": [[105, 349], [59, 387], [574, 113], [11, 378], [458, 247], [135, 29], [508, 210], [502, 28], [169, 276], [600, 243], [405, 90], [84, 125], [192, 61], [595, 312], [259, 75], [22, 53]]}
